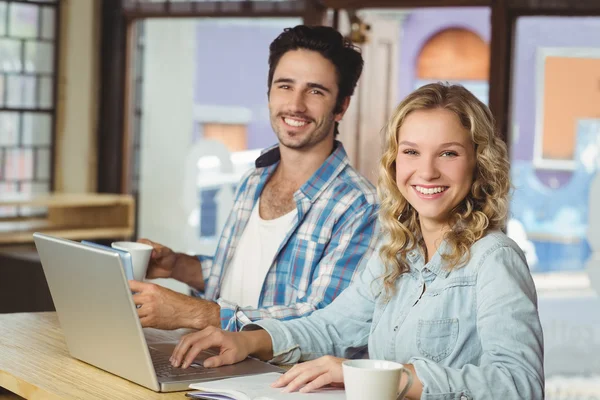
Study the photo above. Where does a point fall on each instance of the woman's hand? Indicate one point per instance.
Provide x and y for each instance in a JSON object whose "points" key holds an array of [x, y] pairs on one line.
{"points": [[312, 375]]}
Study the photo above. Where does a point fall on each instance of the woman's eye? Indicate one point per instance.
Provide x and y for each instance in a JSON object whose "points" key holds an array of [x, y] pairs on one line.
{"points": [[410, 152], [449, 154]]}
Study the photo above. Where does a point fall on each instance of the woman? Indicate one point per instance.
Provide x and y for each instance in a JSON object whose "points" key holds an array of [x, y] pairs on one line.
{"points": [[448, 294]]}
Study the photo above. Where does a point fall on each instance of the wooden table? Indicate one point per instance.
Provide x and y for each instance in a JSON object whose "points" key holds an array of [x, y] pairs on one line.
{"points": [[35, 364]]}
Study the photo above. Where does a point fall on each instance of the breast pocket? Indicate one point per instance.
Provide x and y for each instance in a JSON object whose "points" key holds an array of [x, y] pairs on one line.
{"points": [[306, 257], [437, 338]]}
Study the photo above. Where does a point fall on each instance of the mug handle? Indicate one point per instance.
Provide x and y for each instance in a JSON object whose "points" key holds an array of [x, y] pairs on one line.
{"points": [[408, 384]]}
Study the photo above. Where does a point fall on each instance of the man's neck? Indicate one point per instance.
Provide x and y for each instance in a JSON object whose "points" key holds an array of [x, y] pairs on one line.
{"points": [[299, 165]]}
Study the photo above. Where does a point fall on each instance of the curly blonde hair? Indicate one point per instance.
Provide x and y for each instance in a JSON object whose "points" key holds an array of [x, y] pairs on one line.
{"points": [[484, 208]]}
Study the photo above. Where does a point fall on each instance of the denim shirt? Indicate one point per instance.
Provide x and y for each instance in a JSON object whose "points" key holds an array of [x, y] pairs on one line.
{"points": [[471, 333]]}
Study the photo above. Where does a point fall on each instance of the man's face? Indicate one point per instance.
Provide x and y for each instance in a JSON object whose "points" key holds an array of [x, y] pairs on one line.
{"points": [[302, 99]]}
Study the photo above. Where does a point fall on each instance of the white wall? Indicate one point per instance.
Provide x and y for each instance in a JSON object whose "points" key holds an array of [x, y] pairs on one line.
{"points": [[166, 136]]}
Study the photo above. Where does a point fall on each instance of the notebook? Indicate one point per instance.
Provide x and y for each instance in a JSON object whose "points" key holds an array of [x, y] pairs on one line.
{"points": [[257, 387]]}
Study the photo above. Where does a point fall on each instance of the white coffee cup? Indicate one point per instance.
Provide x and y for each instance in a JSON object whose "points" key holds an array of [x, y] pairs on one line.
{"points": [[374, 379], [140, 257]]}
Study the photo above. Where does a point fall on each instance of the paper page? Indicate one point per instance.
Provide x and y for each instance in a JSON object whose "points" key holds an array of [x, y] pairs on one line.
{"points": [[258, 387]]}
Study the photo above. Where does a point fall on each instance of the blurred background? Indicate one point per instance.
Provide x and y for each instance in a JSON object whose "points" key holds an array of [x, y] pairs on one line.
{"points": [[161, 106]]}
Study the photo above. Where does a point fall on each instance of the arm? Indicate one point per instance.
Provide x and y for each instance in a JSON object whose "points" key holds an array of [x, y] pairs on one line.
{"points": [[349, 249], [511, 365], [340, 329]]}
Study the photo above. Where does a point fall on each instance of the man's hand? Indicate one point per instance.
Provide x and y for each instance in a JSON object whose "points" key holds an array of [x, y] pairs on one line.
{"points": [[162, 260], [162, 308], [312, 375], [165, 263], [234, 347]]}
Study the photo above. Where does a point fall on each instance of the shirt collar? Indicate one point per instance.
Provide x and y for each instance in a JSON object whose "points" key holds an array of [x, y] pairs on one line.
{"points": [[435, 264], [319, 181]]}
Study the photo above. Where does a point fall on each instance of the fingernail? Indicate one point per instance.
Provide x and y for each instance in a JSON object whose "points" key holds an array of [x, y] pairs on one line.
{"points": [[185, 365], [175, 362], [207, 364]]}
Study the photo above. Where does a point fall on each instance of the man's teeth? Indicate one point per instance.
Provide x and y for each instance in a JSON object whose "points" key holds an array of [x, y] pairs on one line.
{"points": [[430, 190], [294, 122]]}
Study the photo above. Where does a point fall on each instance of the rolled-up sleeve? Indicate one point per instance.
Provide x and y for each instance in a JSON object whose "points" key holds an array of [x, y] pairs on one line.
{"points": [[511, 365]]}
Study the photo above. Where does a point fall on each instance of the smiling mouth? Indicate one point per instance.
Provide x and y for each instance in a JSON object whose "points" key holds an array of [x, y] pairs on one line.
{"points": [[296, 123], [431, 190]]}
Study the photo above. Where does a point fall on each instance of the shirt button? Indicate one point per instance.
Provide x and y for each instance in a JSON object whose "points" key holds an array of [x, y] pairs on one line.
{"points": [[396, 330], [463, 397]]}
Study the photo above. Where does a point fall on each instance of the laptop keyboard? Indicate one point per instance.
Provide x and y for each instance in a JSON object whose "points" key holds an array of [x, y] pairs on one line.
{"points": [[164, 369]]}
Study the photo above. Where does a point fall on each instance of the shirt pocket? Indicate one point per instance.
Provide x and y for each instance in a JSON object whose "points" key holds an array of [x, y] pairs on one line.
{"points": [[437, 338], [305, 258]]}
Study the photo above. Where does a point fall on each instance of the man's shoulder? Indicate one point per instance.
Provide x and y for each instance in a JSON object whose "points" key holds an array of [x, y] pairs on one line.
{"points": [[351, 182]]}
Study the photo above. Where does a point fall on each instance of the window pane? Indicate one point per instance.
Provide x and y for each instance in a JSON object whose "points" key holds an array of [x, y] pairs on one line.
{"points": [[46, 90], [37, 129], [48, 20], [23, 20], [7, 189], [43, 164], [3, 17], [9, 128], [39, 57], [18, 164], [10, 55], [21, 91]]}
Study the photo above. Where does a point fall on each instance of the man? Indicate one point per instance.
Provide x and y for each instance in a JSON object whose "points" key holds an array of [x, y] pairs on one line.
{"points": [[303, 222]]}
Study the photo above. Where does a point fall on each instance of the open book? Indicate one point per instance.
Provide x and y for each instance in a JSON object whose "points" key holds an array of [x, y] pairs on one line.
{"points": [[257, 387]]}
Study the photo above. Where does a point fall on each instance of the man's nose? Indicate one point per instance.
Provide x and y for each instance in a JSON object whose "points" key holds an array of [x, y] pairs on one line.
{"points": [[297, 103]]}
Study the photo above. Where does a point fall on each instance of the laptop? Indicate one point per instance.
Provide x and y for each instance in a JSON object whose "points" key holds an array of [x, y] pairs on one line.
{"points": [[101, 326]]}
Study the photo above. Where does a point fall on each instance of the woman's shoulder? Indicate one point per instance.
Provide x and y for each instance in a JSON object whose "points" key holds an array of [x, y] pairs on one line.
{"points": [[495, 245]]}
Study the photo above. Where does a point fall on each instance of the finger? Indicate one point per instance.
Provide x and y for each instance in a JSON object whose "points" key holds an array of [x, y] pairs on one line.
{"points": [[185, 343], [138, 299], [137, 286], [227, 358], [146, 241], [160, 252], [146, 322], [317, 383], [292, 374], [303, 379]]}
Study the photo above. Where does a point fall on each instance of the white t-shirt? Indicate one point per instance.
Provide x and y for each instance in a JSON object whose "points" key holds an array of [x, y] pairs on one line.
{"points": [[244, 278]]}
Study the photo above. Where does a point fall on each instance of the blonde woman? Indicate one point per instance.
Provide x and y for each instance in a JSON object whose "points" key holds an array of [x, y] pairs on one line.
{"points": [[448, 294]]}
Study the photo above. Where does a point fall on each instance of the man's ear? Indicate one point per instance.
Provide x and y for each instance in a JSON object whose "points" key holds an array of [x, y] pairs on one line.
{"points": [[345, 104]]}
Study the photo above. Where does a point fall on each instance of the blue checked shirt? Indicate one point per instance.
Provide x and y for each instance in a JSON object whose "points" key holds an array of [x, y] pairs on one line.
{"points": [[332, 237]]}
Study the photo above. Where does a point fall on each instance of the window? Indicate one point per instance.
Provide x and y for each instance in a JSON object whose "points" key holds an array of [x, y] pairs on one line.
{"points": [[555, 142], [27, 101]]}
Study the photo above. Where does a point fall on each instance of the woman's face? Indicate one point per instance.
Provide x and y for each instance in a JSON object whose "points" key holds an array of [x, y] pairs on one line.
{"points": [[434, 164]]}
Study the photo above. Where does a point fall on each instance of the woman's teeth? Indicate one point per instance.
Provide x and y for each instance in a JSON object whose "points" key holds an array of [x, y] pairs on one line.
{"points": [[434, 190]]}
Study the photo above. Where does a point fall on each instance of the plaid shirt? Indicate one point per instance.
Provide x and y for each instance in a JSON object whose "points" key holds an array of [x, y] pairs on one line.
{"points": [[332, 238]]}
